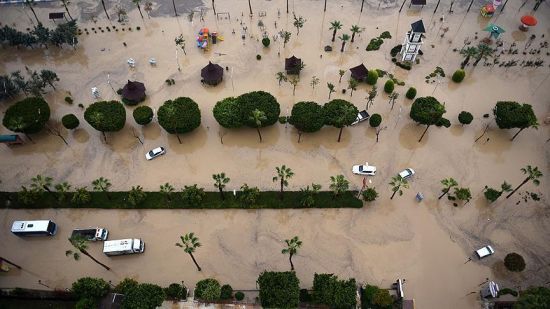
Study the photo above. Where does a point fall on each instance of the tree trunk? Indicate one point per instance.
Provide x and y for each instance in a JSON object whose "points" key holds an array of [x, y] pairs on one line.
{"points": [[91, 257], [334, 35], [104, 9], [174, 5], [139, 9], [67, 9], [104, 136], [282, 185], [287, 6], [221, 193], [421, 137], [391, 198], [465, 62], [444, 193], [477, 61], [249, 7], [340, 134], [325, 9], [351, 93], [34, 13], [178, 136], [517, 134], [51, 84], [377, 134], [299, 136], [194, 261], [352, 37], [259, 134], [47, 188], [291, 265], [329, 93], [343, 44], [524, 182], [294, 89], [214, 7], [362, 3]]}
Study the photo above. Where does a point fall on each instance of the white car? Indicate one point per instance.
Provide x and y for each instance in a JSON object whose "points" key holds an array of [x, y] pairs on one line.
{"points": [[407, 173], [159, 151], [366, 169], [484, 252]]}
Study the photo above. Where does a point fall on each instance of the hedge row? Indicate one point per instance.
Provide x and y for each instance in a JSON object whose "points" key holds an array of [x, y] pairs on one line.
{"points": [[211, 200]]}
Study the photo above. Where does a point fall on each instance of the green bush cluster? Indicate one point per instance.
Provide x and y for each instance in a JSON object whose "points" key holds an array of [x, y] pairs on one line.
{"points": [[465, 117], [208, 290], [328, 290], [106, 116], [395, 50], [279, 289], [27, 116], [389, 86], [514, 262], [411, 93], [372, 77], [70, 121], [239, 296], [143, 115], [375, 43], [458, 76], [176, 291], [236, 112], [181, 115], [266, 41], [375, 120]]}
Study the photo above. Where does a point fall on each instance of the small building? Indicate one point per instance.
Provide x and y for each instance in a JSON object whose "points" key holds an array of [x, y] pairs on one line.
{"points": [[293, 65], [413, 41], [133, 93], [212, 74], [359, 72]]}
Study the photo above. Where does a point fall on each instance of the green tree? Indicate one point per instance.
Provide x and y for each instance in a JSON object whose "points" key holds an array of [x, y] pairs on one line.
{"points": [[62, 189], [81, 196], [143, 115], [372, 94], [463, 194], [285, 35], [192, 195], [389, 86], [330, 89], [354, 30], [262, 101], [307, 117], [514, 262], [372, 77], [136, 195], [338, 184], [125, 286], [467, 53], [248, 195], [226, 292], [227, 113], [258, 117], [41, 183], [189, 243], [383, 299], [329, 291], [144, 296], [292, 246], [106, 116], [352, 85], [49, 77], [81, 244], [375, 120], [70, 121], [465, 118], [167, 190], [294, 81], [370, 194], [341, 74], [335, 26], [509, 115], [314, 81], [220, 180], [281, 77], [283, 175], [397, 183], [344, 38], [42, 34], [90, 288], [411, 93], [279, 289], [27, 116], [492, 195], [176, 291], [339, 114], [427, 111], [180, 41], [208, 290], [484, 51], [533, 174], [298, 23], [533, 298], [179, 116], [308, 195], [447, 183], [136, 2], [102, 185]]}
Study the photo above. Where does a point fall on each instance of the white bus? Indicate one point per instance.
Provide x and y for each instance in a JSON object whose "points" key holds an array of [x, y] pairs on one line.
{"points": [[34, 228], [123, 246]]}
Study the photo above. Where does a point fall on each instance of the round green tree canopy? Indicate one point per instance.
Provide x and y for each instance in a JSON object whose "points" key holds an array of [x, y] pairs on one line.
{"points": [[427, 111], [27, 116], [70, 121], [145, 295], [307, 116], [465, 117], [106, 116], [375, 120], [339, 113], [511, 114], [227, 113], [143, 115], [262, 101], [181, 115]]}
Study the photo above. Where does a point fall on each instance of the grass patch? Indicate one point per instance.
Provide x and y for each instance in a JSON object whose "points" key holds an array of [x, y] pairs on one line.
{"points": [[211, 200]]}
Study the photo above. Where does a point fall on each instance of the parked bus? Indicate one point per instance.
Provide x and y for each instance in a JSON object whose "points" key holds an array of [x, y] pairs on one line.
{"points": [[34, 228]]}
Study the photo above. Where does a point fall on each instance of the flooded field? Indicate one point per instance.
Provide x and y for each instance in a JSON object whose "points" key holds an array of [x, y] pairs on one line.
{"points": [[427, 243]]}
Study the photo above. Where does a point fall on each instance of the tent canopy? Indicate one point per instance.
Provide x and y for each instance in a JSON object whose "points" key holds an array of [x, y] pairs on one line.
{"points": [[293, 65], [133, 91], [529, 20], [212, 74], [359, 72]]}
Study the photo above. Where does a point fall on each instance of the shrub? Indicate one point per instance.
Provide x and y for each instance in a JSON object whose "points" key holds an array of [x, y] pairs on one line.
{"points": [[385, 35], [375, 44], [328, 290], [370, 194], [208, 289], [175, 291], [70, 121], [258, 57], [119, 91], [181, 115], [248, 195], [145, 295], [491, 194], [283, 119], [239, 296], [69, 100], [86, 303], [411, 93], [394, 51], [458, 76], [404, 65], [192, 195], [227, 290], [143, 115], [443, 122], [389, 86], [507, 291], [305, 297], [465, 117], [125, 286], [279, 289], [266, 42], [88, 287], [514, 262], [375, 120], [533, 298], [372, 77], [27, 116]]}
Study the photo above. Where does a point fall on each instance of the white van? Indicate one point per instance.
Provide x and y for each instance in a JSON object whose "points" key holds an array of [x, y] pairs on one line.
{"points": [[123, 246], [34, 228]]}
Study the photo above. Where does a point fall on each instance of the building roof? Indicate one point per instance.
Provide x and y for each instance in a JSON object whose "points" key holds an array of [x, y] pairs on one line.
{"points": [[212, 73], [418, 26], [292, 62], [133, 91], [359, 72]]}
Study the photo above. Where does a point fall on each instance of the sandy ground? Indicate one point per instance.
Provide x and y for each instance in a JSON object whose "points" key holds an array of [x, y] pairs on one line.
{"points": [[425, 243]]}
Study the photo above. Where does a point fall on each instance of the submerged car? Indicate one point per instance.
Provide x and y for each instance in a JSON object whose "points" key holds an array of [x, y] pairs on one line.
{"points": [[159, 151], [406, 173], [361, 116], [366, 169], [485, 252]]}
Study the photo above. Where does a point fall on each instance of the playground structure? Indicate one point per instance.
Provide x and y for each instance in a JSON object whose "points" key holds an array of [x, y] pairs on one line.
{"points": [[206, 37]]}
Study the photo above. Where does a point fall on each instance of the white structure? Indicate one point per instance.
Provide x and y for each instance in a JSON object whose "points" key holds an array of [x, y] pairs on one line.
{"points": [[123, 246], [131, 62], [34, 228], [413, 41], [95, 92]]}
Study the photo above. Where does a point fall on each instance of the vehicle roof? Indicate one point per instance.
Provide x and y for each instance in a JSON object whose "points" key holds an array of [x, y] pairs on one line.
{"points": [[24, 225]]}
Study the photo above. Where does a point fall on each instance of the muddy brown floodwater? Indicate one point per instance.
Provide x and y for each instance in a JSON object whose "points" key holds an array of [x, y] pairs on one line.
{"points": [[427, 243]]}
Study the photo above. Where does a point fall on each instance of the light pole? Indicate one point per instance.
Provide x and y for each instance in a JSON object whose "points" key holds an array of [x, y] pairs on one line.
{"points": [[109, 82]]}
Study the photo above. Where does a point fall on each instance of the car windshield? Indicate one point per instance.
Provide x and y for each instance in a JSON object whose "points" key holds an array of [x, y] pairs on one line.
{"points": [[152, 153], [361, 168]]}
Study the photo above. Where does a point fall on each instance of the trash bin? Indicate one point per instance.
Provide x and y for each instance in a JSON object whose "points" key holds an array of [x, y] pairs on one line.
{"points": [[214, 37]]}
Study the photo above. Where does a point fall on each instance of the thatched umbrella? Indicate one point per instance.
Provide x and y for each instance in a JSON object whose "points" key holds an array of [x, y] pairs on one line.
{"points": [[293, 65], [133, 92], [359, 73], [212, 74]]}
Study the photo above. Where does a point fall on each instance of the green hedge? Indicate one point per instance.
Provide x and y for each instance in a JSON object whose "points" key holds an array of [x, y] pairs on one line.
{"points": [[212, 200]]}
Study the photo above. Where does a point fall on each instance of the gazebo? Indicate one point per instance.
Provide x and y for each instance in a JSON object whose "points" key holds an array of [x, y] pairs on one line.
{"points": [[293, 65], [359, 72], [133, 92], [212, 74]]}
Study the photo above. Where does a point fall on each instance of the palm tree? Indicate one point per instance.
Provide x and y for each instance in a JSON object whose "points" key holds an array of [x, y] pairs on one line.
{"points": [[372, 95], [393, 96], [81, 244], [463, 194], [41, 183], [314, 81], [167, 190], [102, 185], [344, 37], [283, 175], [220, 182], [281, 77], [62, 190], [81, 196], [294, 82], [298, 23], [341, 73], [532, 174], [285, 35], [448, 183], [398, 182], [65, 3], [468, 53], [483, 52], [330, 89], [139, 7], [258, 117], [352, 85], [104, 9], [335, 26], [30, 4], [354, 30], [189, 242], [292, 246], [338, 185]]}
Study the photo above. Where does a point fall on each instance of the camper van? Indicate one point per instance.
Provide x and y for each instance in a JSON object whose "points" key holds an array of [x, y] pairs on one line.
{"points": [[123, 246], [34, 228]]}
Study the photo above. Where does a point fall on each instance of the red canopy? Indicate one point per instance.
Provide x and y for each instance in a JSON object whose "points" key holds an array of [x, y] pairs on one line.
{"points": [[529, 20]]}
